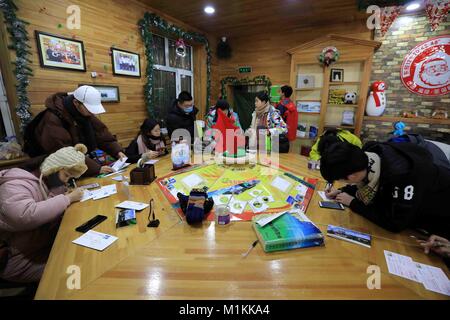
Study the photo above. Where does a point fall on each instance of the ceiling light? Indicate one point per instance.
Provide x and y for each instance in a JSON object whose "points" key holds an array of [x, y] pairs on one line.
{"points": [[413, 6], [209, 10]]}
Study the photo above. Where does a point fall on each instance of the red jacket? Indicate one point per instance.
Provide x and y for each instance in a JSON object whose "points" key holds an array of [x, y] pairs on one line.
{"points": [[288, 110]]}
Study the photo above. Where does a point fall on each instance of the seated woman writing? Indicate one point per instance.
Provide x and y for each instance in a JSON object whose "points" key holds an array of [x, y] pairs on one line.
{"points": [[31, 207], [149, 144]]}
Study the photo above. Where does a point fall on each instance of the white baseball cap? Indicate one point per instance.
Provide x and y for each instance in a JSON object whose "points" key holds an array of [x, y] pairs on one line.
{"points": [[90, 98]]}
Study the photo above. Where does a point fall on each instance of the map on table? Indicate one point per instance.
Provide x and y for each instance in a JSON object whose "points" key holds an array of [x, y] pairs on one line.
{"points": [[246, 190]]}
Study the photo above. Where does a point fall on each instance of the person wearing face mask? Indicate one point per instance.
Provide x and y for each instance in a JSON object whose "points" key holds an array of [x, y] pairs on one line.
{"points": [[149, 144], [70, 119], [182, 115], [31, 207]]}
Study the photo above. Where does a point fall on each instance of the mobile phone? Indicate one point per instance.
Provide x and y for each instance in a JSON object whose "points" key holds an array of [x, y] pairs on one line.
{"points": [[331, 205], [90, 186], [85, 227]]}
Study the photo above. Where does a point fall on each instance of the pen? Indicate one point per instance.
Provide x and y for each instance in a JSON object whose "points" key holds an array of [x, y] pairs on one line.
{"points": [[245, 255]]}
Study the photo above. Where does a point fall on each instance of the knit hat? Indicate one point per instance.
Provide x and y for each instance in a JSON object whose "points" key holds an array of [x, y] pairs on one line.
{"points": [[72, 159]]}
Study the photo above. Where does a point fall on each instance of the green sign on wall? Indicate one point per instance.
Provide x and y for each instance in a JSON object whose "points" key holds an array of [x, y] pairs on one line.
{"points": [[245, 69]]}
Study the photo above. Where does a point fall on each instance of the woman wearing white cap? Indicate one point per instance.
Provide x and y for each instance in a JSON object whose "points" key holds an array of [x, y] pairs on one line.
{"points": [[70, 119], [31, 206]]}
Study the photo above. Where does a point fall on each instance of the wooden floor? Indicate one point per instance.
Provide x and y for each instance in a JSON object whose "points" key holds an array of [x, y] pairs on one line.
{"points": [[177, 261]]}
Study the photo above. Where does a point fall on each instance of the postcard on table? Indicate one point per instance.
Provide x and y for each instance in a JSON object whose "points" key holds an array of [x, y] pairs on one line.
{"points": [[138, 206], [95, 240]]}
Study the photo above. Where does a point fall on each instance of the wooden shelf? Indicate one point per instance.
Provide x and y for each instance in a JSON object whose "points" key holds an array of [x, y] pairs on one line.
{"points": [[348, 83], [305, 138], [408, 120], [343, 105], [339, 126], [313, 113], [308, 89]]}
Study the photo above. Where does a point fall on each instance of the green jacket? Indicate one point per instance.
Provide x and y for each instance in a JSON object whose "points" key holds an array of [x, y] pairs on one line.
{"points": [[343, 135]]}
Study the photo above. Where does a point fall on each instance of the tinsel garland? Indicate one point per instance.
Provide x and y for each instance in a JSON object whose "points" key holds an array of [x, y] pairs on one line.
{"points": [[258, 80], [146, 24], [19, 43]]}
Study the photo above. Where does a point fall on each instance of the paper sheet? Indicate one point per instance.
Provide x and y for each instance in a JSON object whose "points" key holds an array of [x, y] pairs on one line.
{"points": [[151, 162], [281, 184], [237, 206], [258, 206], [192, 181], [120, 164], [302, 189], [323, 196], [95, 240], [264, 221], [222, 199], [401, 266], [104, 192], [138, 206], [433, 279]]}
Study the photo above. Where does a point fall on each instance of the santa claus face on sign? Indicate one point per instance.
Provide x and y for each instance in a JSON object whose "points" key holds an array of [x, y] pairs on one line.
{"points": [[434, 72]]}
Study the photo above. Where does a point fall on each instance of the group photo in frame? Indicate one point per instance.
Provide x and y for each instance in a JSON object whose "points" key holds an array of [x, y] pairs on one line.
{"points": [[125, 63]]}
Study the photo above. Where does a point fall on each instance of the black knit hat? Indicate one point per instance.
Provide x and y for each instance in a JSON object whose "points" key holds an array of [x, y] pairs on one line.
{"points": [[341, 160]]}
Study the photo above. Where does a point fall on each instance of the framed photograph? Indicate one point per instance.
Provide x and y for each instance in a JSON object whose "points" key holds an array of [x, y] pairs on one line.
{"points": [[60, 53], [126, 63], [305, 81], [108, 93], [337, 75], [308, 106]]}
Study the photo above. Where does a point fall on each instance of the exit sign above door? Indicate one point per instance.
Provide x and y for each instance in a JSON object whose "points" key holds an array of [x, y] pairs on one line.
{"points": [[245, 69]]}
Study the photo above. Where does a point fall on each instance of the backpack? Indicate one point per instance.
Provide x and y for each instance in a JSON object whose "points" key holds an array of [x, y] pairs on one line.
{"points": [[30, 144]]}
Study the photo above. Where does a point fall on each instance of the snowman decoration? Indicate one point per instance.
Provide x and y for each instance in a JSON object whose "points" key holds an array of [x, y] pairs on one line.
{"points": [[377, 99]]}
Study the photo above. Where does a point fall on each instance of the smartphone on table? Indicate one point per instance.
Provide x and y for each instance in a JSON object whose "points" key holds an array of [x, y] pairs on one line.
{"points": [[331, 205]]}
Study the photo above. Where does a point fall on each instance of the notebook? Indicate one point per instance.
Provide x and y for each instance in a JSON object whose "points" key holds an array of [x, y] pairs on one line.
{"points": [[291, 230]]}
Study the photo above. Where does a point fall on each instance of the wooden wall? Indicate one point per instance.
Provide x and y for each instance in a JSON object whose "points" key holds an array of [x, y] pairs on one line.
{"points": [[103, 23], [266, 52]]}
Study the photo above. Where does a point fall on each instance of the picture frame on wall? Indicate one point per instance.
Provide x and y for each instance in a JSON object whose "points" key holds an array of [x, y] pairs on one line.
{"points": [[108, 93], [126, 63], [337, 75], [58, 52]]}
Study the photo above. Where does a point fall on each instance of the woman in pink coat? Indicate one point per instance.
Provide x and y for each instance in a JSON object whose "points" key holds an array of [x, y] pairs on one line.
{"points": [[31, 206]]}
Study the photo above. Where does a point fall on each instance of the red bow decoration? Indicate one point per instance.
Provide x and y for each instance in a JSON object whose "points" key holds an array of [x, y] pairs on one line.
{"points": [[387, 17], [437, 11]]}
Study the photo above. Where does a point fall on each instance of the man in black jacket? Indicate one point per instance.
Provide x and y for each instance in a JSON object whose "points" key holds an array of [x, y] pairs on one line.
{"points": [[182, 115], [395, 185]]}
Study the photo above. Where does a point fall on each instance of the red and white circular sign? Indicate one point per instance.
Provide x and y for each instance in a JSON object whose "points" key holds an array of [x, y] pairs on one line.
{"points": [[426, 68]]}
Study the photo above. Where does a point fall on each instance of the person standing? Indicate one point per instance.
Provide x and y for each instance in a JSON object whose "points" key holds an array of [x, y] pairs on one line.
{"points": [[288, 112], [182, 115]]}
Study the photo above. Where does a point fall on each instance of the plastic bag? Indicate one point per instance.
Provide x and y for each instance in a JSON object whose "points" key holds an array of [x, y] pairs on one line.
{"points": [[181, 154], [10, 149]]}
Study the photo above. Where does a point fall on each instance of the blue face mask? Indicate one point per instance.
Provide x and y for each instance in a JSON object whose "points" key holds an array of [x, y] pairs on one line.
{"points": [[189, 110]]}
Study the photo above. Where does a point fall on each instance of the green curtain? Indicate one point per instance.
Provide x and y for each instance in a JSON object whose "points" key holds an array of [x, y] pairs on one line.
{"points": [[244, 105]]}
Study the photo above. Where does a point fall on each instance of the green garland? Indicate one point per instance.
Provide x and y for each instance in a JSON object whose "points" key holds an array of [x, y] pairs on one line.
{"points": [[19, 43], [258, 80], [152, 20]]}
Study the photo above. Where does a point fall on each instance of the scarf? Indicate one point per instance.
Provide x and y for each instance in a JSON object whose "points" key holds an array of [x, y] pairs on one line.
{"points": [[368, 189], [146, 144], [260, 118], [87, 132]]}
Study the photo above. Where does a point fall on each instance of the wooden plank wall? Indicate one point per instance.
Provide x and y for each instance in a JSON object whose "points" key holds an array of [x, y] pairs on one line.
{"points": [[266, 52], [103, 23]]}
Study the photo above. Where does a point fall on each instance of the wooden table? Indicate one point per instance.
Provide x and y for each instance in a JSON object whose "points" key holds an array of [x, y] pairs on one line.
{"points": [[177, 261]]}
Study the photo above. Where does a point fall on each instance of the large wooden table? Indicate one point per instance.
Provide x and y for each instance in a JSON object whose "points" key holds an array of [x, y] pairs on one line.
{"points": [[177, 261]]}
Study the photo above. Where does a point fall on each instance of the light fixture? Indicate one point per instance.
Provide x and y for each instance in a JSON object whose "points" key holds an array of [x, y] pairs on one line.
{"points": [[413, 6], [209, 10]]}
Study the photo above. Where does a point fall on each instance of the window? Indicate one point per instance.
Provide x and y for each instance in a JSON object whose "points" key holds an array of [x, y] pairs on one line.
{"points": [[171, 74], [6, 124]]}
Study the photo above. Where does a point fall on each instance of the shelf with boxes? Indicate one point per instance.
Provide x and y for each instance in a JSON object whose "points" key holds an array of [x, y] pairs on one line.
{"points": [[330, 96]]}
